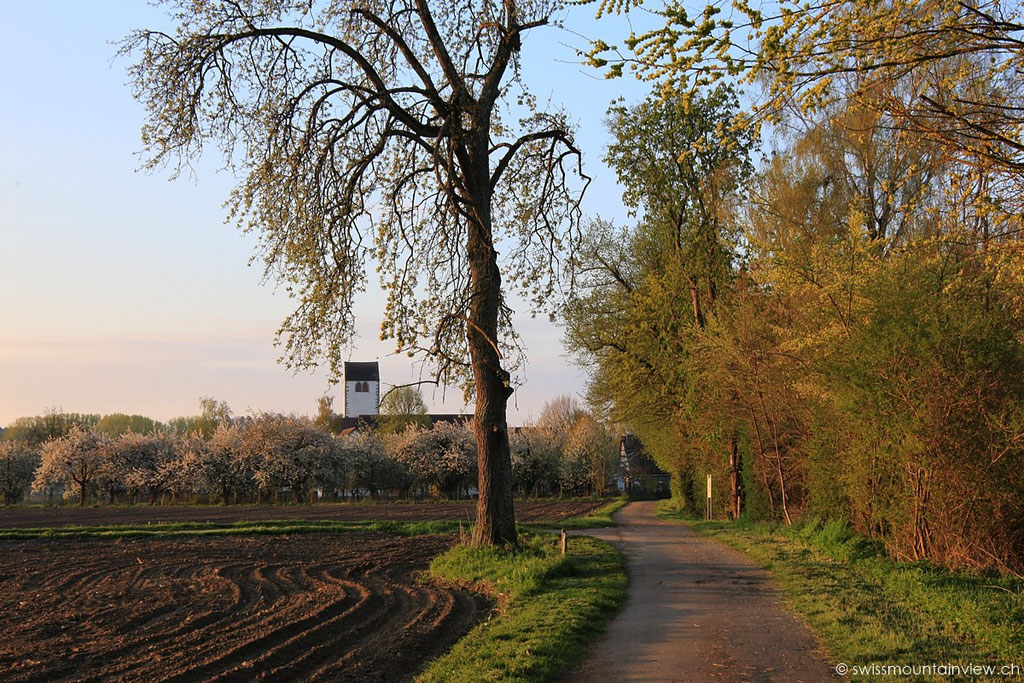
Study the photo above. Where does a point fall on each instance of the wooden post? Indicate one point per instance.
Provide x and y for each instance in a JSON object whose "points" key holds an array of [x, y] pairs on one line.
{"points": [[564, 542]]}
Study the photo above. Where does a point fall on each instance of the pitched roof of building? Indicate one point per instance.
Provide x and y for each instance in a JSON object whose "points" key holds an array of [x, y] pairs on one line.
{"points": [[362, 372], [345, 425], [454, 418], [635, 459]]}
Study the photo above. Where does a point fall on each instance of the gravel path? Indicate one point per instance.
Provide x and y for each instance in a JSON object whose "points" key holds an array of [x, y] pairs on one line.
{"points": [[697, 611]]}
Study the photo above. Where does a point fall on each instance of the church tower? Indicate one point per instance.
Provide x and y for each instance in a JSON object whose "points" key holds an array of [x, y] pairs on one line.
{"points": [[362, 389]]}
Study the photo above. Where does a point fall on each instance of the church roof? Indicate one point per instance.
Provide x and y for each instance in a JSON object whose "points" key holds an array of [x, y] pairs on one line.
{"points": [[345, 425], [362, 372]]}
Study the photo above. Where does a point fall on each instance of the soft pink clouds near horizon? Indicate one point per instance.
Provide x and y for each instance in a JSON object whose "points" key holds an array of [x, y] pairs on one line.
{"points": [[165, 377]]}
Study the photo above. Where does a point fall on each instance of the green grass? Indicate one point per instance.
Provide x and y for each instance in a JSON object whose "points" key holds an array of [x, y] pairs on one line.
{"points": [[551, 607], [867, 609], [600, 518], [262, 527], [72, 504]]}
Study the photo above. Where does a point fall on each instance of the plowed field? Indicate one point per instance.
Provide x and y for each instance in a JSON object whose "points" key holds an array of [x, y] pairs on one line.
{"points": [[304, 607], [532, 511]]}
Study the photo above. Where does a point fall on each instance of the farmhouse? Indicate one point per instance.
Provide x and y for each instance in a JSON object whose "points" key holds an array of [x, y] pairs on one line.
{"points": [[638, 473]]}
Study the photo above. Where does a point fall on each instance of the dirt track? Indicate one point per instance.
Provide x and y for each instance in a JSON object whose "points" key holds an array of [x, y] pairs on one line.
{"points": [[697, 610], [316, 606], [532, 511]]}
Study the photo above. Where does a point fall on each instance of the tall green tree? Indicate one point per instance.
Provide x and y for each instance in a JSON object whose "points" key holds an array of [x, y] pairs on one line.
{"points": [[649, 295], [116, 424], [680, 163], [400, 407], [54, 423], [380, 129], [213, 413], [325, 415]]}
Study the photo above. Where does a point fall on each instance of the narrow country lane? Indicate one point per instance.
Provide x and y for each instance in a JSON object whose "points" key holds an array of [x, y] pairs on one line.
{"points": [[697, 611]]}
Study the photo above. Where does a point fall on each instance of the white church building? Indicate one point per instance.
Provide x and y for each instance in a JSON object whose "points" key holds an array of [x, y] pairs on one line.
{"points": [[362, 389], [360, 401]]}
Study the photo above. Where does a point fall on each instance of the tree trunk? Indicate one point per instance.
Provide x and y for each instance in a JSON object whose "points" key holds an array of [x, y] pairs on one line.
{"points": [[698, 314], [736, 475], [495, 514], [762, 460]]}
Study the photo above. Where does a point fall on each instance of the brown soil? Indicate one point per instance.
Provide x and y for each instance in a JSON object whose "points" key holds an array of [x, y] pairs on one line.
{"points": [[532, 511], [306, 607]]}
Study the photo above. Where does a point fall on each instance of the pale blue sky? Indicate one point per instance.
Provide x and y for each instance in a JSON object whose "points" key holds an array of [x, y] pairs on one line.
{"points": [[126, 292]]}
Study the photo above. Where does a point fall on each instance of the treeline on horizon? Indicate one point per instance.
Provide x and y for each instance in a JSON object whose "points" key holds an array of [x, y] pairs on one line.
{"points": [[276, 458], [54, 422], [829, 321]]}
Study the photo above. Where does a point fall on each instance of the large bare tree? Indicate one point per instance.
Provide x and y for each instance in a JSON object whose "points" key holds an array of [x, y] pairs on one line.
{"points": [[393, 129]]}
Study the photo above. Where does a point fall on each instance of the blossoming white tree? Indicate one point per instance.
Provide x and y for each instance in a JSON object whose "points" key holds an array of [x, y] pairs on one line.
{"points": [[73, 461]]}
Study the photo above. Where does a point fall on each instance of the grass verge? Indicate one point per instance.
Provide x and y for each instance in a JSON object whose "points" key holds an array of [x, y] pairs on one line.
{"points": [[551, 607], [262, 527], [867, 609], [599, 518]]}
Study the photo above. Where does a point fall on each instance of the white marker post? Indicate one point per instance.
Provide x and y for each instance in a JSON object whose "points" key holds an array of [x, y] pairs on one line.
{"points": [[708, 514]]}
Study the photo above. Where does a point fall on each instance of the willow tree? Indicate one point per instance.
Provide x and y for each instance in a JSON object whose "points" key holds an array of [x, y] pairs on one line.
{"points": [[393, 129]]}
